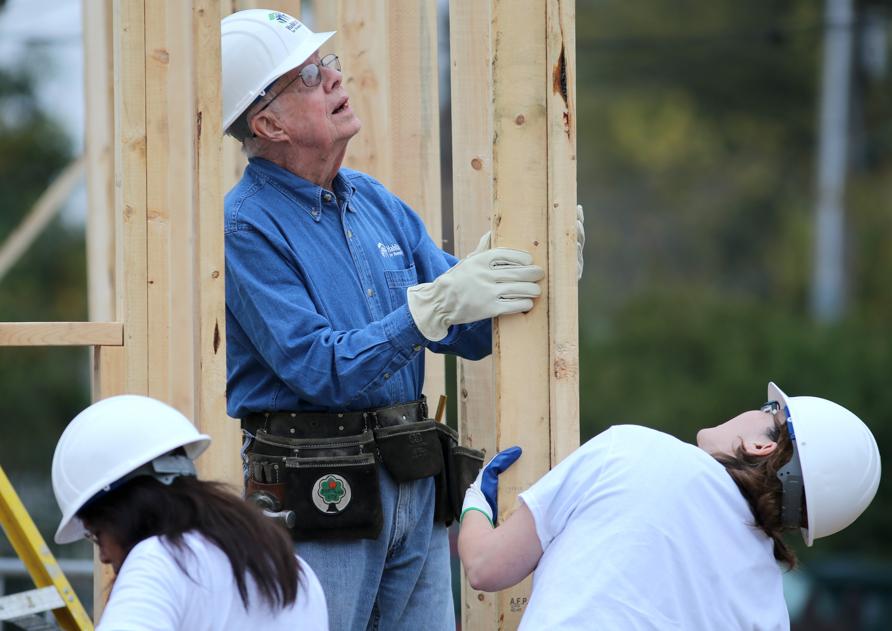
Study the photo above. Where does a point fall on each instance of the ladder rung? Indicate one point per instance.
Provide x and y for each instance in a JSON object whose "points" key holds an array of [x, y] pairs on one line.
{"points": [[30, 602]]}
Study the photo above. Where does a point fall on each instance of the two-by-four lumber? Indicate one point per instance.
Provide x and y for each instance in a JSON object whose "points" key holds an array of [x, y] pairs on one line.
{"points": [[61, 334], [388, 51], [99, 152], [525, 87], [470, 48], [210, 294]]}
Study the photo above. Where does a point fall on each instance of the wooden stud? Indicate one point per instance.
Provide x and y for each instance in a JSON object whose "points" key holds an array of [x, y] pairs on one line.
{"points": [[472, 193], [210, 306], [108, 380], [388, 49], [563, 313], [61, 334], [414, 119], [520, 342], [234, 160], [361, 43], [130, 191], [163, 64], [99, 153]]}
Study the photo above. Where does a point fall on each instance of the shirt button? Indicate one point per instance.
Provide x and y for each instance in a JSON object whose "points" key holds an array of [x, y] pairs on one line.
{"points": [[370, 292], [387, 375], [416, 348], [327, 197], [349, 234]]}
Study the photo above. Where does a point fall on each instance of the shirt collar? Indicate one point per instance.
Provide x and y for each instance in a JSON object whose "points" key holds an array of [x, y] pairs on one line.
{"points": [[306, 194]]}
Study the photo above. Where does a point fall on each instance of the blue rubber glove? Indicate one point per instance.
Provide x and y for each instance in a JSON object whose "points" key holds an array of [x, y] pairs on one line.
{"points": [[483, 494]]}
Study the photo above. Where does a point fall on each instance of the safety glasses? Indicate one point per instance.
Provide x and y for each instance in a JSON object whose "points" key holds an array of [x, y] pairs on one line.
{"points": [[310, 75], [790, 475]]}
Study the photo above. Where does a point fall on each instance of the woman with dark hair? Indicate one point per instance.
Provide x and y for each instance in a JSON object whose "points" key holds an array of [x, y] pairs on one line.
{"points": [[187, 554], [638, 530]]}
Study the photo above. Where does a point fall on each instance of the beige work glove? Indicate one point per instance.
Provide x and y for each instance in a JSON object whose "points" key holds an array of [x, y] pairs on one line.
{"points": [[485, 284]]}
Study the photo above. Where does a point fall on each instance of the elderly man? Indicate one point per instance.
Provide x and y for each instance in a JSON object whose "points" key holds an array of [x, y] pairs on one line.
{"points": [[333, 291]]}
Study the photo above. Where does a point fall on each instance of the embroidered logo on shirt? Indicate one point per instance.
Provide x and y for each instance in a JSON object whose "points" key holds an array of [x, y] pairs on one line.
{"points": [[387, 251], [332, 494]]}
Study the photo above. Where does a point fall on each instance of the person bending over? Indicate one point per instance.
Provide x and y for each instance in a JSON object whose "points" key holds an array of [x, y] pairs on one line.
{"points": [[638, 530]]}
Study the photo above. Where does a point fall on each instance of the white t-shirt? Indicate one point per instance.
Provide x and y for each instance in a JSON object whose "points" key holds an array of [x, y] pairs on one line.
{"points": [[152, 593], [642, 531]]}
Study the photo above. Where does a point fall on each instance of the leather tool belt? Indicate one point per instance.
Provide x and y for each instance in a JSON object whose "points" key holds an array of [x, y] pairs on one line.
{"points": [[324, 466]]}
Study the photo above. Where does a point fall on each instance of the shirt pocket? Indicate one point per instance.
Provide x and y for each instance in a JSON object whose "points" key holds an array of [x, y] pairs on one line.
{"points": [[398, 280]]}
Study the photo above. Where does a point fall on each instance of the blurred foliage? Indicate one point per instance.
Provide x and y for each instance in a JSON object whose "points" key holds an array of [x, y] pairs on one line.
{"points": [[42, 387], [697, 141]]}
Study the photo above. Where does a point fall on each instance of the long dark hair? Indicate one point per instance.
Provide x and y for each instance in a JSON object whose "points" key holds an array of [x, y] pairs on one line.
{"points": [[143, 507], [756, 477]]}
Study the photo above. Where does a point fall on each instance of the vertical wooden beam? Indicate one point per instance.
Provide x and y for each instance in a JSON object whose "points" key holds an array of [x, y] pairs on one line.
{"points": [[362, 45], [520, 342], [130, 189], [108, 380], [470, 47], [414, 136], [530, 98], [563, 307], [98, 144], [388, 49], [163, 63], [234, 160], [210, 304], [100, 149]]}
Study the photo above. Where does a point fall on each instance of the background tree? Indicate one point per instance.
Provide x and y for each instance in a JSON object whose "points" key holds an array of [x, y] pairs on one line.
{"points": [[697, 137]]}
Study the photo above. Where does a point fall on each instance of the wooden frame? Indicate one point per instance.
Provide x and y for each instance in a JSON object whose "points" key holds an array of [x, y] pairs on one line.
{"points": [[515, 150], [514, 146]]}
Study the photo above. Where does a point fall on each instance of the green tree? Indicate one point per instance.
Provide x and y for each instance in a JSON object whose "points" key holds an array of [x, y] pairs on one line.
{"points": [[697, 134]]}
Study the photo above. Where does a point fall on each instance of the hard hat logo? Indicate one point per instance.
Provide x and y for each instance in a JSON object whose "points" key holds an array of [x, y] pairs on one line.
{"points": [[332, 494], [283, 18]]}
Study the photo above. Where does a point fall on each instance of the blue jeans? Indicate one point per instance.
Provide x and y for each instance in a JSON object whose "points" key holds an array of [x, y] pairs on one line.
{"points": [[400, 581]]}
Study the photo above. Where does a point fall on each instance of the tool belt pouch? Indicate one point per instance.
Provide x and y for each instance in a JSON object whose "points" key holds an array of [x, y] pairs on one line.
{"points": [[411, 451], [331, 484], [460, 467], [466, 464], [262, 472]]}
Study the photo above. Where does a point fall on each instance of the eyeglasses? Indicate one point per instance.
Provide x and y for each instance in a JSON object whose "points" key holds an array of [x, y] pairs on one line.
{"points": [[790, 475], [310, 75]]}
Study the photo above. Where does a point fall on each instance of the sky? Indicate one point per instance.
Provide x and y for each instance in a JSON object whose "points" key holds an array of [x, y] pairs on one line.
{"points": [[49, 30], [48, 33]]}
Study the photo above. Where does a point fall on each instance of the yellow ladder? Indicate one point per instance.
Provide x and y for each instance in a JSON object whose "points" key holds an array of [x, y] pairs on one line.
{"points": [[53, 591]]}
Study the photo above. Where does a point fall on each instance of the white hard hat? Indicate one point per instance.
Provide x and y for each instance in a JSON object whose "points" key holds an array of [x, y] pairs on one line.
{"points": [[258, 47], [109, 440], [839, 458]]}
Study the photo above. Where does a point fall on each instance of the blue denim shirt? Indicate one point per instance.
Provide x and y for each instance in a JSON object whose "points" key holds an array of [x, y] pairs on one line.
{"points": [[316, 313]]}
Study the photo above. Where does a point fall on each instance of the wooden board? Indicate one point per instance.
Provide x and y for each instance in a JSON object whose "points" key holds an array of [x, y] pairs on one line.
{"points": [[130, 192], [388, 51], [209, 309], [472, 192], [563, 285], [99, 152], [61, 334]]}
